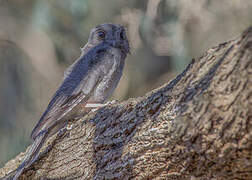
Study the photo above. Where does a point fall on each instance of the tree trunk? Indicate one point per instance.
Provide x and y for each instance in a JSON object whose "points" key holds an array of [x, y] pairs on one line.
{"points": [[198, 126]]}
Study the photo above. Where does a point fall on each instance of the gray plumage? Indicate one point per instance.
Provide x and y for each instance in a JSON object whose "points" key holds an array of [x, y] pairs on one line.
{"points": [[90, 79]]}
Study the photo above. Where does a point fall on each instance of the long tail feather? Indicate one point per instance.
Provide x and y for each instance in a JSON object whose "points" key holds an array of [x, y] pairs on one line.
{"points": [[32, 154]]}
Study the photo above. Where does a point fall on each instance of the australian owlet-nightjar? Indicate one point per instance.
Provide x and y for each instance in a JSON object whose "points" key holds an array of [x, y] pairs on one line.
{"points": [[89, 81]]}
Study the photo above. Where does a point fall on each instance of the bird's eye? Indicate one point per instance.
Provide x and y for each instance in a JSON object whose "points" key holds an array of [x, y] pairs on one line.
{"points": [[101, 34], [122, 35]]}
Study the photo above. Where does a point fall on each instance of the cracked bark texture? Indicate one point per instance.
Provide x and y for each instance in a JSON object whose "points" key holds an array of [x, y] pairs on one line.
{"points": [[198, 126]]}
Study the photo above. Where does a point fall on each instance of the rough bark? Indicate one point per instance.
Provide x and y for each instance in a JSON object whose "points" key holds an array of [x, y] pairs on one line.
{"points": [[198, 126]]}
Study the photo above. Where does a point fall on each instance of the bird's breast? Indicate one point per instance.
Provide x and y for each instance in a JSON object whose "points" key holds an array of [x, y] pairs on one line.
{"points": [[111, 68]]}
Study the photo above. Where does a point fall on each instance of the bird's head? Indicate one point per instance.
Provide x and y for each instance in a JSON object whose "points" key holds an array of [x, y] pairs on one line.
{"points": [[112, 34]]}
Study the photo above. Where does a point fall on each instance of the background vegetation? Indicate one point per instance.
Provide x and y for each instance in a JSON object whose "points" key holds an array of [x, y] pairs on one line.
{"points": [[39, 39]]}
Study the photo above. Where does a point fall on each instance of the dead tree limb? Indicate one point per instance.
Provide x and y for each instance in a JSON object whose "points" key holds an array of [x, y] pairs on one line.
{"points": [[198, 126]]}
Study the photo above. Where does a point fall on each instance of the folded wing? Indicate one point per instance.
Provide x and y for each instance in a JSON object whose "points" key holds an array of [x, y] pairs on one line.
{"points": [[77, 87]]}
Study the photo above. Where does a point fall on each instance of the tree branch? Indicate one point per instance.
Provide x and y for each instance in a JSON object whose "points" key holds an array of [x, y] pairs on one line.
{"points": [[198, 126]]}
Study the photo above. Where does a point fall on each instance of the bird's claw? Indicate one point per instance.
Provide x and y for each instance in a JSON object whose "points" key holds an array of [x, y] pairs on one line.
{"points": [[112, 102], [97, 106]]}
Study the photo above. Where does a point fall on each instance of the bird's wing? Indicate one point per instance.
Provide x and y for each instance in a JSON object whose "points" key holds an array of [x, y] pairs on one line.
{"points": [[70, 93], [59, 109], [69, 70]]}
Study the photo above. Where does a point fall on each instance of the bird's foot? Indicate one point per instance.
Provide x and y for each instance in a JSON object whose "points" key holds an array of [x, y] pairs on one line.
{"points": [[69, 127], [96, 106], [112, 102]]}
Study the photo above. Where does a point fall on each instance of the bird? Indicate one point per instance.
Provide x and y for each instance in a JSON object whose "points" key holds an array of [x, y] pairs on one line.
{"points": [[87, 83]]}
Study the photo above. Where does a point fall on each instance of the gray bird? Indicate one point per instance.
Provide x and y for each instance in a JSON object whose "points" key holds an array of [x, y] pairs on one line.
{"points": [[87, 83]]}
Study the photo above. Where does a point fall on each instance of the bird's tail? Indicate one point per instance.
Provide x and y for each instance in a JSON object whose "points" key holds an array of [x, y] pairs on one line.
{"points": [[32, 153]]}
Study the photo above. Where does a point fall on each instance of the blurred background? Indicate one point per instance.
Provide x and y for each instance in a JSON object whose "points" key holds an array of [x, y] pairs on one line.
{"points": [[39, 39]]}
